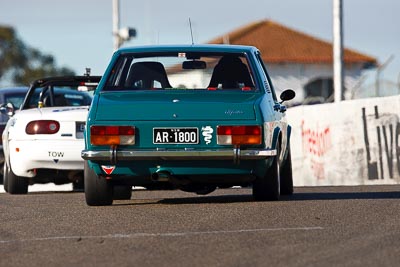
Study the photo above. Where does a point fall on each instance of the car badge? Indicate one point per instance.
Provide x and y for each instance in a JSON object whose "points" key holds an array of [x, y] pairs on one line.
{"points": [[207, 133], [231, 112], [108, 169]]}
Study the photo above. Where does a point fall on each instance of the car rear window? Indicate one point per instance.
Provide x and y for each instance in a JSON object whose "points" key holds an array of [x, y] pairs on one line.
{"points": [[59, 97], [181, 71]]}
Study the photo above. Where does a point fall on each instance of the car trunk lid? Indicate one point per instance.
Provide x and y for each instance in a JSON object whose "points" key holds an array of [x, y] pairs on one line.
{"points": [[71, 119], [175, 106]]}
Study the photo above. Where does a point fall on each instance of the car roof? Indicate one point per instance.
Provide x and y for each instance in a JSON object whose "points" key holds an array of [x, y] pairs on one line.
{"points": [[62, 90], [59, 81], [197, 48], [64, 80]]}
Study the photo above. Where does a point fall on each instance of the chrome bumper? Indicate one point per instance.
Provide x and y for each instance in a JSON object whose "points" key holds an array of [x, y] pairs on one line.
{"points": [[236, 154]]}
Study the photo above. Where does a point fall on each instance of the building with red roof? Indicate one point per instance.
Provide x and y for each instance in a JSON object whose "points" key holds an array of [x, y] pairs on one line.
{"points": [[298, 60]]}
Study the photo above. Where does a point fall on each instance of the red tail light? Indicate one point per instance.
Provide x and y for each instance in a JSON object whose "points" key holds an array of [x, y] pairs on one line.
{"points": [[239, 135], [112, 135], [42, 127]]}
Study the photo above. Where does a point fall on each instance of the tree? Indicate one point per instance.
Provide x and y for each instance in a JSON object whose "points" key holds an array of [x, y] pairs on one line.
{"points": [[21, 64]]}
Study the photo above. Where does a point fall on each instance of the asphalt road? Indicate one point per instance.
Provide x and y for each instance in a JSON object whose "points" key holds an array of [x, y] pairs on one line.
{"points": [[321, 226]]}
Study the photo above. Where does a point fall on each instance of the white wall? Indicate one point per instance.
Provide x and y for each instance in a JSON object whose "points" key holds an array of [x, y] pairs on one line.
{"points": [[196, 79], [354, 142]]}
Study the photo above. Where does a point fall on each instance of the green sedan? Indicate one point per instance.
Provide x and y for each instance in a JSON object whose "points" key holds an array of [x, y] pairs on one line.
{"points": [[188, 117]]}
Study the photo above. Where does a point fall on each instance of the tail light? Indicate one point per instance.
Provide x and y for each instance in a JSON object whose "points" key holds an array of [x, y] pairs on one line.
{"points": [[42, 127], [112, 135], [239, 135]]}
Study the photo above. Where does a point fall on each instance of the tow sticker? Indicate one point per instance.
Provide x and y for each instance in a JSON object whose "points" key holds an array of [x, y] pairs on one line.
{"points": [[207, 133], [56, 155]]}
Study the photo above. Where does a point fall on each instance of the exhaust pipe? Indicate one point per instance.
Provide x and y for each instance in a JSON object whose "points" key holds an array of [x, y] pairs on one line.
{"points": [[161, 176]]}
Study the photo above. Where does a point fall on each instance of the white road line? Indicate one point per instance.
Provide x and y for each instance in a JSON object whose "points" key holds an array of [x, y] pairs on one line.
{"points": [[172, 234]]}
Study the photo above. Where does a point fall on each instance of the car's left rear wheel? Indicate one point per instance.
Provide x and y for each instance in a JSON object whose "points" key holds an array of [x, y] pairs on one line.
{"points": [[5, 181], [98, 190], [14, 184], [1, 174]]}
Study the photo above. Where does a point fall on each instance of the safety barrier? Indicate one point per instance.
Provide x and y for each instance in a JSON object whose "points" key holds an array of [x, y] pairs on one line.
{"points": [[355, 142]]}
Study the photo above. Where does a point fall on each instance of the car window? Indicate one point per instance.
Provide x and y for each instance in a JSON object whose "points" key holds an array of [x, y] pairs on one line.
{"points": [[59, 97], [181, 71], [268, 83], [16, 99]]}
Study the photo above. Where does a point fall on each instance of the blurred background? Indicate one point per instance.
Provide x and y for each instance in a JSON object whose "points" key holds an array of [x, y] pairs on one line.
{"points": [[64, 37]]}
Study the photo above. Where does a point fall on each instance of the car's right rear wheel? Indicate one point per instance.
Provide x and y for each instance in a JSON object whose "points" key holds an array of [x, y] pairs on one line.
{"points": [[98, 190], [14, 184], [287, 175], [268, 186]]}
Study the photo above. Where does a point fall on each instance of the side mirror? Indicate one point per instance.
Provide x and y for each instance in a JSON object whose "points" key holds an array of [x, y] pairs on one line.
{"points": [[7, 109], [287, 95]]}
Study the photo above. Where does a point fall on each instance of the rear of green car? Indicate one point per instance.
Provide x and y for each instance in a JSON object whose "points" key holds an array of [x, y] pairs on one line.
{"points": [[194, 118]]}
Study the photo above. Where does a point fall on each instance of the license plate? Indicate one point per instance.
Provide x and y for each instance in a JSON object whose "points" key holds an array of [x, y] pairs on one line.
{"points": [[175, 136], [80, 128]]}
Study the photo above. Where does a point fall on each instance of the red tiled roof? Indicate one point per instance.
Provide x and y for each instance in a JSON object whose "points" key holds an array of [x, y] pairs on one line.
{"points": [[280, 44]]}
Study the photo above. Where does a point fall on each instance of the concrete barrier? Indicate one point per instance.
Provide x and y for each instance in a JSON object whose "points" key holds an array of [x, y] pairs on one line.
{"points": [[354, 142]]}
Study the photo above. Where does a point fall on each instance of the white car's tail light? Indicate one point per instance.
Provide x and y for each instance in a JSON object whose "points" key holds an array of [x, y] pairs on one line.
{"points": [[42, 127], [239, 135], [112, 135]]}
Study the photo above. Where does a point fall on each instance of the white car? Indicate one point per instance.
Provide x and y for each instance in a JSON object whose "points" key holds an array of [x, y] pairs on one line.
{"points": [[43, 140]]}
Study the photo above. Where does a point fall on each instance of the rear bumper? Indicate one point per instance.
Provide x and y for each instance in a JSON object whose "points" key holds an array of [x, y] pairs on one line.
{"points": [[235, 154], [26, 156]]}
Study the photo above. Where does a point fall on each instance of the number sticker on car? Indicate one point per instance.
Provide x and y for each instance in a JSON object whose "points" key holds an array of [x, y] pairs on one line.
{"points": [[175, 136], [80, 128]]}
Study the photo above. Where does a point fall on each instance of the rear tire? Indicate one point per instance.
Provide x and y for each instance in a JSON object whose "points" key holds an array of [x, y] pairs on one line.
{"points": [[122, 192], [5, 179], [14, 184], [78, 186], [268, 186], [98, 190], [2, 174], [287, 176]]}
